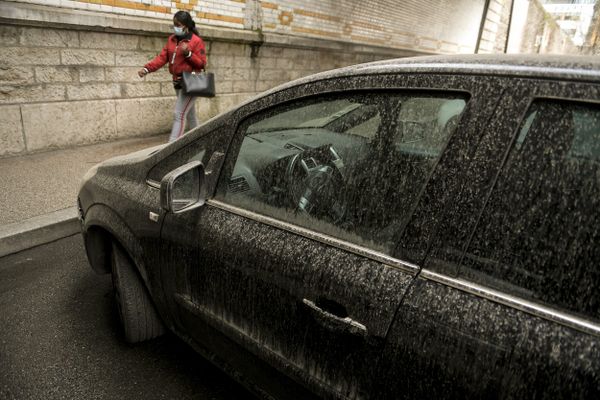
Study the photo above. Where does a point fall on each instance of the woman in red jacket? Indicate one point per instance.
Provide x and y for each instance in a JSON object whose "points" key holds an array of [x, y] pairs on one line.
{"points": [[184, 51]]}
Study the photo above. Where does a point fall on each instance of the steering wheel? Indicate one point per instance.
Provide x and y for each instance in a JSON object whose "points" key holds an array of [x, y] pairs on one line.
{"points": [[316, 185]]}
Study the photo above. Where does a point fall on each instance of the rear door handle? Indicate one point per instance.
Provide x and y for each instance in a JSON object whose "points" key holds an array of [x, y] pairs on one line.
{"points": [[335, 322]]}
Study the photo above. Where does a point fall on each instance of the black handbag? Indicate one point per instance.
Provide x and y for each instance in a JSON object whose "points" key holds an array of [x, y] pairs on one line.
{"points": [[199, 84]]}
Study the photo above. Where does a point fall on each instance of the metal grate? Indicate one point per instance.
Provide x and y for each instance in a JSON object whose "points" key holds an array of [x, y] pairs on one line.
{"points": [[238, 184]]}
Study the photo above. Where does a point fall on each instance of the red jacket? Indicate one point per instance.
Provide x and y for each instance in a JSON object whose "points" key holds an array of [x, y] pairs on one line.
{"points": [[178, 62]]}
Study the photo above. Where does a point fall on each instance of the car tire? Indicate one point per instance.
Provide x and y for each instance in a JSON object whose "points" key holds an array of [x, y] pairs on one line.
{"points": [[136, 311]]}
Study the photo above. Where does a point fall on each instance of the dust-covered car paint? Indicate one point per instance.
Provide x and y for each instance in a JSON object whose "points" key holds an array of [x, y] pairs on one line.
{"points": [[408, 228]]}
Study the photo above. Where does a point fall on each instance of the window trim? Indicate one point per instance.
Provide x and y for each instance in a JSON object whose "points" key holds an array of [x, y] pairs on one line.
{"points": [[538, 310], [374, 255]]}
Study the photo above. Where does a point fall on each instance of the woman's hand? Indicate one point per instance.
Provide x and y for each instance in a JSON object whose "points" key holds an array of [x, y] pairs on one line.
{"points": [[142, 72], [185, 48]]}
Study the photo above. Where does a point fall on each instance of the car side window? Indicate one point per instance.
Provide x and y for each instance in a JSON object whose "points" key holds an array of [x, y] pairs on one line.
{"points": [[538, 234], [350, 166]]}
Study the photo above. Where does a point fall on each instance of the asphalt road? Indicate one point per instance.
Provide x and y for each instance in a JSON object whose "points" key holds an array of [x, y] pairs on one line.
{"points": [[60, 338]]}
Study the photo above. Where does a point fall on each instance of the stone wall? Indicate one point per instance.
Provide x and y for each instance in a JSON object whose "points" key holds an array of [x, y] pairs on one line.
{"points": [[543, 35], [592, 42], [69, 77], [493, 36]]}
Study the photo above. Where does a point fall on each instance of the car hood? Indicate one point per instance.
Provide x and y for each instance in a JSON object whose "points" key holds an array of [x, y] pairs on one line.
{"points": [[132, 158], [115, 164]]}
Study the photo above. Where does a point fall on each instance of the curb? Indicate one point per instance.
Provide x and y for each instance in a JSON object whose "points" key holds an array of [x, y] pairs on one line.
{"points": [[39, 230]]}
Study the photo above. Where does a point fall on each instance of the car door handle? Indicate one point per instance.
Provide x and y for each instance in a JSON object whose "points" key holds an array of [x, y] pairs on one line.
{"points": [[335, 322]]}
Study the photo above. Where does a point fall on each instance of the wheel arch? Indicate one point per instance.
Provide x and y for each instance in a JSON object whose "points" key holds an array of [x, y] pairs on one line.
{"points": [[103, 225]]}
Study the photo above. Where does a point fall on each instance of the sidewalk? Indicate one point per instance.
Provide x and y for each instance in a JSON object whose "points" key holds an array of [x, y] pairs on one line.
{"points": [[39, 191]]}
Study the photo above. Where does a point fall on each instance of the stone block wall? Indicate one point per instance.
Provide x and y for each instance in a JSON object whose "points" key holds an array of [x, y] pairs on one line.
{"points": [[69, 77], [64, 87], [543, 35], [493, 37]]}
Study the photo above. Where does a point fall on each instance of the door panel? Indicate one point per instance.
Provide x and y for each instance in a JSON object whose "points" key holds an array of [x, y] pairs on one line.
{"points": [[448, 343], [251, 279]]}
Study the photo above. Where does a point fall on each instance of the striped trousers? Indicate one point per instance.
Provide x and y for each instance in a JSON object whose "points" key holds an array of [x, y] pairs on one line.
{"points": [[184, 110]]}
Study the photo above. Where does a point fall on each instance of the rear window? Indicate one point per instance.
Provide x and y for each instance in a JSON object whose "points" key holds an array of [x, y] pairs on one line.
{"points": [[539, 233]]}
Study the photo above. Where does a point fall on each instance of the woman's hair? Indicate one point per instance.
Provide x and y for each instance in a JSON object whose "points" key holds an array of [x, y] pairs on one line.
{"points": [[186, 20]]}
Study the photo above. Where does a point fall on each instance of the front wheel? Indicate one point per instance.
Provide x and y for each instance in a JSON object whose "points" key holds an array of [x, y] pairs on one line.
{"points": [[136, 311]]}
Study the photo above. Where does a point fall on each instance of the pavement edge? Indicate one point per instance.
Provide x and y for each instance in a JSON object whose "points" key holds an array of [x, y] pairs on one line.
{"points": [[38, 230]]}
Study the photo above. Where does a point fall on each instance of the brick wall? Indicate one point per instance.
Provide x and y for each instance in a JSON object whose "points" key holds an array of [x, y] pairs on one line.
{"points": [[426, 25]]}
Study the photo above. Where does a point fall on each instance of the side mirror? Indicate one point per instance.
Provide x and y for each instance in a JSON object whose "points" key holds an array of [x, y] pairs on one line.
{"points": [[184, 188]]}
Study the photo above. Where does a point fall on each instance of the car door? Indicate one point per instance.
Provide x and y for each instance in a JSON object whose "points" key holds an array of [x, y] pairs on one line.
{"points": [[293, 260], [506, 304], [208, 146]]}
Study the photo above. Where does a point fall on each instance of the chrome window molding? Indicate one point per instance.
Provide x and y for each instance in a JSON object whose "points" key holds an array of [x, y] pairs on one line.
{"points": [[326, 239], [529, 307], [153, 184]]}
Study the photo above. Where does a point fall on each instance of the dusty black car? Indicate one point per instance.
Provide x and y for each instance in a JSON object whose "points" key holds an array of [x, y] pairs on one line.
{"points": [[413, 228]]}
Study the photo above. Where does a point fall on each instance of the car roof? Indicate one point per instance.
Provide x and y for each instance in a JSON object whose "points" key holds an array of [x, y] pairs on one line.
{"points": [[543, 66], [563, 67]]}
